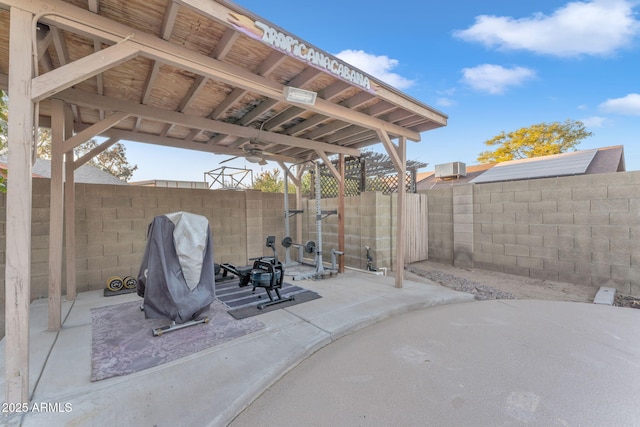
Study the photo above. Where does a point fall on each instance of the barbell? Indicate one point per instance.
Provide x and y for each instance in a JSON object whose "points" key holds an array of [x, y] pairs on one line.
{"points": [[308, 247]]}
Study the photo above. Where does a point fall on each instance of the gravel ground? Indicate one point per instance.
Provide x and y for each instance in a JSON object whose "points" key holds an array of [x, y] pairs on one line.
{"points": [[488, 285], [480, 291]]}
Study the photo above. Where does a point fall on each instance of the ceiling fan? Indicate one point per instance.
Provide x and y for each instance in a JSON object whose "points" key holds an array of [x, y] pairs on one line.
{"points": [[255, 153]]}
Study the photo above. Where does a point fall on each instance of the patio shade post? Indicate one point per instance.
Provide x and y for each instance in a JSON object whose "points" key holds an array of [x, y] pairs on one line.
{"points": [[19, 193], [341, 217], [400, 215], [70, 228], [56, 214], [70, 211], [398, 155]]}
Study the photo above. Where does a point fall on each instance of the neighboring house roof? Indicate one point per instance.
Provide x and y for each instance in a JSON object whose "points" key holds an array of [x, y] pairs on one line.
{"points": [[581, 162], [427, 180], [85, 174], [171, 183]]}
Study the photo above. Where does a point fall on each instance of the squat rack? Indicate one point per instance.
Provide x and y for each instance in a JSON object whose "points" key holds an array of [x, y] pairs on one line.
{"points": [[320, 215]]}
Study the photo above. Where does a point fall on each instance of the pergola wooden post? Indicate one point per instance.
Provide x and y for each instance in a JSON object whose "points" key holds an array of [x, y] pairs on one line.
{"points": [[341, 212], [69, 207], [398, 155], [56, 214], [401, 208], [19, 190]]}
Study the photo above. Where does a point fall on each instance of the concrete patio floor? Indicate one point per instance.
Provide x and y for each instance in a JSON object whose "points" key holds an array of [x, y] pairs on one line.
{"points": [[211, 387]]}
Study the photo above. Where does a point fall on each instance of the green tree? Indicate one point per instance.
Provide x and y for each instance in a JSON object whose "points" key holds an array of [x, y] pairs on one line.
{"points": [[269, 182], [272, 182], [541, 139], [113, 160]]}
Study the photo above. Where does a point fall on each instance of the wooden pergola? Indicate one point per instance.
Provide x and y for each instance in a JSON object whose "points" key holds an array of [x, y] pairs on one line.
{"points": [[203, 75]]}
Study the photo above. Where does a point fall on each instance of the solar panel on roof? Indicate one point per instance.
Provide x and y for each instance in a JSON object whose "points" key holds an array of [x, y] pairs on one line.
{"points": [[574, 163]]}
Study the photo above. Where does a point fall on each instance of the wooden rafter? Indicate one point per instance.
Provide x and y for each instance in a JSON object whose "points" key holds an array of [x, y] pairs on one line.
{"points": [[61, 78], [152, 113]]}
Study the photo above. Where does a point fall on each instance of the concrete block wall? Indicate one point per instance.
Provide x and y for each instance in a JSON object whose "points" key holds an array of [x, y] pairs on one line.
{"points": [[441, 230], [112, 222], [368, 222], [463, 226], [580, 229]]}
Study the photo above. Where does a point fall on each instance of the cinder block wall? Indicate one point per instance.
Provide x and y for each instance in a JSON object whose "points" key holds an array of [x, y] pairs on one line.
{"points": [[580, 229], [112, 222], [368, 222], [440, 210]]}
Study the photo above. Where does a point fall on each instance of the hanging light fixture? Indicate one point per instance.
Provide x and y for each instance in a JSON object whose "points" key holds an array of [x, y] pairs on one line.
{"points": [[253, 158]]}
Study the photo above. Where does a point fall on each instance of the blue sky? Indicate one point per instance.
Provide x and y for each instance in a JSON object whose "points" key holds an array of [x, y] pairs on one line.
{"points": [[491, 66]]}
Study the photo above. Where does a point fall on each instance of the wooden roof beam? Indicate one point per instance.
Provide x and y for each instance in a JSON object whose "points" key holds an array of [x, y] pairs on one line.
{"points": [[258, 111], [329, 165], [63, 58], [332, 127], [169, 20], [68, 75], [146, 138], [171, 12], [344, 133], [94, 6], [285, 116], [334, 89], [350, 103], [93, 130], [44, 41], [397, 115], [392, 151], [305, 77], [224, 45], [310, 122], [221, 50], [271, 63], [88, 100], [267, 66], [96, 150]]}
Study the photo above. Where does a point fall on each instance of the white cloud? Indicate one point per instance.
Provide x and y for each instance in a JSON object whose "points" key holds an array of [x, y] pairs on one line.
{"points": [[378, 66], [597, 27], [445, 102], [495, 79], [594, 121], [628, 105]]}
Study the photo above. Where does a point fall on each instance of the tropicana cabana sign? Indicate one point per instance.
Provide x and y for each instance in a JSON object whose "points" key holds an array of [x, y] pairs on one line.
{"points": [[300, 50]]}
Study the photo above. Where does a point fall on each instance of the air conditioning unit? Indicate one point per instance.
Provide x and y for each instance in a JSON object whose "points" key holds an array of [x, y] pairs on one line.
{"points": [[450, 170]]}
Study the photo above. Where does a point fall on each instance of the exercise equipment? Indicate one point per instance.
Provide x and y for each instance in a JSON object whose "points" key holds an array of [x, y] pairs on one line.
{"points": [[266, 272], [115, 283], [176, 277], [309, 247], [129, 282], [369, 259]]}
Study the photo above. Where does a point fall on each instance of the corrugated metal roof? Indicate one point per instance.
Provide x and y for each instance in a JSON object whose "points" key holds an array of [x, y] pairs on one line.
{"points": [[574, 163]]}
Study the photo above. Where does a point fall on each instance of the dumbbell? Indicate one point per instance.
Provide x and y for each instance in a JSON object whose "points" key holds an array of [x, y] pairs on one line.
{"points": [[308, 247]]}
